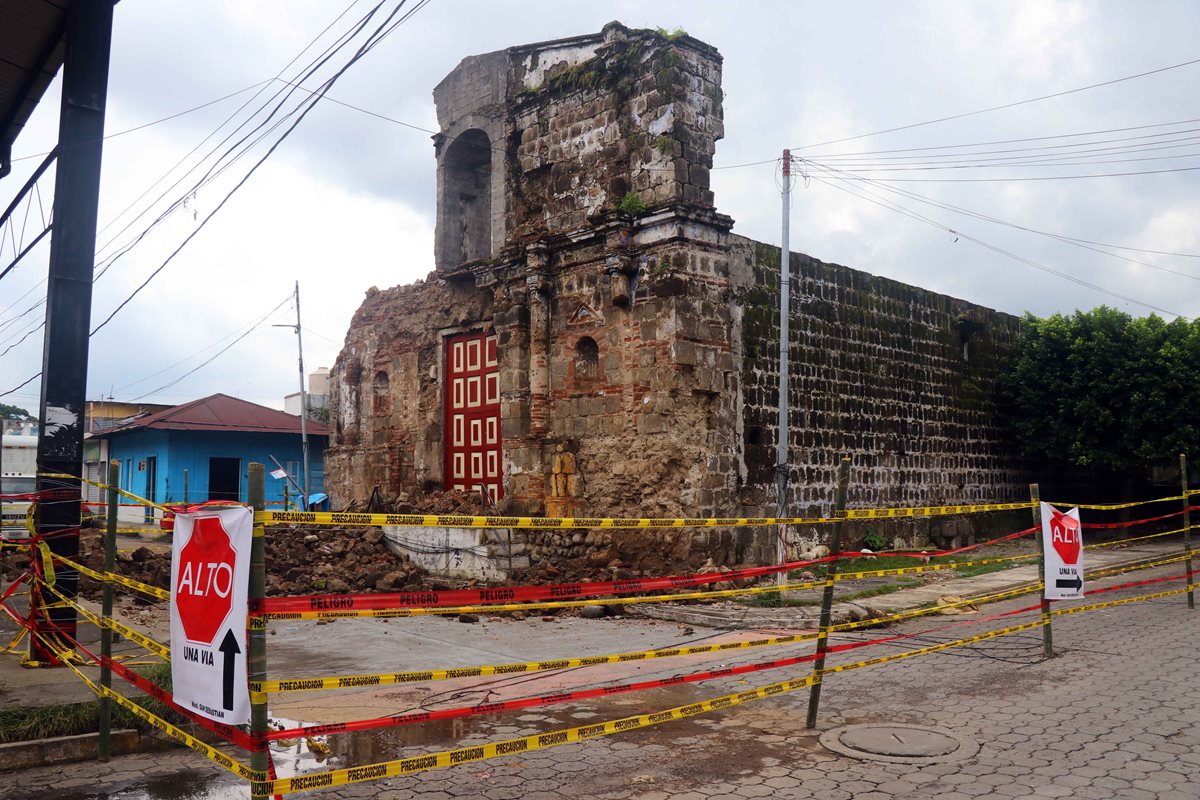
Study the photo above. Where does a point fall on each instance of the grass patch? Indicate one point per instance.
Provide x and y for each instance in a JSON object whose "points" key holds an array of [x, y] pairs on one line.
{"points": [[71, 719]]}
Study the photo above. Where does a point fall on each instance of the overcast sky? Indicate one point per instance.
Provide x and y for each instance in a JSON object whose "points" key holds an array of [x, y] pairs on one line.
{"points": [[347, 202]]}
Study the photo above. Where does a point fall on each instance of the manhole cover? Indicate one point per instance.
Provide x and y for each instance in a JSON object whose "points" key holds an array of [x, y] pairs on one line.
{"points": [[898, 743]]}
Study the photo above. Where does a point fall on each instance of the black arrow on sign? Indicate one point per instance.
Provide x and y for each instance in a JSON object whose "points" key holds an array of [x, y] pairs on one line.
{"points": [[229, 647], [1076, 584]]}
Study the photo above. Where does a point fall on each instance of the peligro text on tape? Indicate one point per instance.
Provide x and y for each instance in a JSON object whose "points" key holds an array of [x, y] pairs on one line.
{"points": [[468, 521], [499, 594], [391, 613], [446, 758], [516, 668]]}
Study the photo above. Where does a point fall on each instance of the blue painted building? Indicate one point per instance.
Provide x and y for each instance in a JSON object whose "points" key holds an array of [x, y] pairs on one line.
{"points": [[213, 441]]}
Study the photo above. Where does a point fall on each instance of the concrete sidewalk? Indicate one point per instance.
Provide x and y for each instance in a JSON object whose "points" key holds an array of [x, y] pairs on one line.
{"points": [[729, 614]]}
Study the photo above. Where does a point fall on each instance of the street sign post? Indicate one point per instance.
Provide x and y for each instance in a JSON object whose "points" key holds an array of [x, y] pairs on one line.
{"points": [[1062, 564], [210, 573]]}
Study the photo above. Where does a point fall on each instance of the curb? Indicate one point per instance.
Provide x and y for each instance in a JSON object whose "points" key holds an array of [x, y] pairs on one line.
{"points": [[64, 749]]}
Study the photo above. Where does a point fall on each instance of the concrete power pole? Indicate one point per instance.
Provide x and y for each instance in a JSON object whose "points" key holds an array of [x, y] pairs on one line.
{"points": [[785, 302], [303, 397]]}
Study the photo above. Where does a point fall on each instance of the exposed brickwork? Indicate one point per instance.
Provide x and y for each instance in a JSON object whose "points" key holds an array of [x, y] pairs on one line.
{"points": [[637, 340]]}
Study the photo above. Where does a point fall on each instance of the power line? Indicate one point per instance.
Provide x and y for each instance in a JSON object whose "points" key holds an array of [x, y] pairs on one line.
{"points": [[174, 206], [1083, 243], [373, 39], [958, 233], [216, 355], [1045, 177], [1025, 139], [21, 386], [1001, 107], [145, 125]]}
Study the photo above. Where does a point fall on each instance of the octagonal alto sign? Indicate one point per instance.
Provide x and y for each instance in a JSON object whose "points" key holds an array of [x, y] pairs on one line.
{"points": [[210, 573]]}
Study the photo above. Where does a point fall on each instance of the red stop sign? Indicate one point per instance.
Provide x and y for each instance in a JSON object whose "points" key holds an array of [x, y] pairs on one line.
{"points": [[204, 584]]}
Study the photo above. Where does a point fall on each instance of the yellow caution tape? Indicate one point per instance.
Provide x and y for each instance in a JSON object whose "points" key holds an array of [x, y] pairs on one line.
{"points": [[112, 577], [159, 649], [1116, 542], [932, 511], [47, 562], [231, 764], [390, 613], [1111, 603], [516, 668], [135, 498], [465, 755], [467, 521], [878, 573], [870, 662], [1112, 506]]}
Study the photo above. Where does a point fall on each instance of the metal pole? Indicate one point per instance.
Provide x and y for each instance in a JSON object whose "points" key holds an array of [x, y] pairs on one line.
{"points": [[256, 661], [1187, 530], [785, 304], [303, 402], [104, 749], [69, 303], [835, 546], [185, 487], [1047, 633]]}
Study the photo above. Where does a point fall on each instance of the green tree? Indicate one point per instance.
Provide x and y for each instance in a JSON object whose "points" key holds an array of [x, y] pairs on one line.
{"points": [[1103, 390], [14, 412]]}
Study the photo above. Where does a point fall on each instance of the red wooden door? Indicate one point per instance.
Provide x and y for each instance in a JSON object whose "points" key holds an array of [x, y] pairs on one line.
{"points": [[472, 432]]}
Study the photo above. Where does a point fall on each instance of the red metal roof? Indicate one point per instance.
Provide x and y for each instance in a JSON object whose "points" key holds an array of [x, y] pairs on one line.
{"points": [[220, 412]]}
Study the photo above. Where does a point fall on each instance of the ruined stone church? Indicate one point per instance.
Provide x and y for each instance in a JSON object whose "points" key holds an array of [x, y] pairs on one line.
{"points": [[595, 341]]}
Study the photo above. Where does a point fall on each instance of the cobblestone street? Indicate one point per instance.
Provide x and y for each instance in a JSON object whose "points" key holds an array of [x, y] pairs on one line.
{"points": [[1115, 715]]}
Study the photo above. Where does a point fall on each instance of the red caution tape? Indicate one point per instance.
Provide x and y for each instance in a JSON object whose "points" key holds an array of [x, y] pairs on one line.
{"points": [[514, 594], [396, 720], [1134, 522], [559, 591]]}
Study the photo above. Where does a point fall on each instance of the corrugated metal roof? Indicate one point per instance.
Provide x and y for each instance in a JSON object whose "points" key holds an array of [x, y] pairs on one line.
{"points": [[219, 412], [31, 52]]}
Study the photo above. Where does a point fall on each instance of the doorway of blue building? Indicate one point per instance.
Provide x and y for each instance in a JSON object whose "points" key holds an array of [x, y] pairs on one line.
{"points": [[224, 479]]}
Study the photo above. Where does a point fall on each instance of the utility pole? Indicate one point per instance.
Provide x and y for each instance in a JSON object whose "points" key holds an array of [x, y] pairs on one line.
{"points": [[69, 305], [303, 398], [785, 302]]}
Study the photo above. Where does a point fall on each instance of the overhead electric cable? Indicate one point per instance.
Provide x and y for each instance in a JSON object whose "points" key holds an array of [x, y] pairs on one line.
{"points": [[1028, 178], [1086, 244], [1002, 106], [373, 39], [959, 233], [1023, 139], [216, 355], [151, 124]]}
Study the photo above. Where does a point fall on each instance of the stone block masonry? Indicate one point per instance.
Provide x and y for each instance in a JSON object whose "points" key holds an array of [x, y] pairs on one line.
{"points": [[594, 341]]}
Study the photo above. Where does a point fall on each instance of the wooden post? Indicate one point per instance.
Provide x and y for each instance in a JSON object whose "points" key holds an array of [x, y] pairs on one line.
{"points": [[1047, 633], [112, 479], [835, 546], [256, 661], [185, 487], [287, 505], [1187, 531]]}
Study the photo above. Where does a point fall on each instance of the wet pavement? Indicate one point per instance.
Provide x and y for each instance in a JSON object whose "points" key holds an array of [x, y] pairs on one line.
{"points": [[1115, 715]]}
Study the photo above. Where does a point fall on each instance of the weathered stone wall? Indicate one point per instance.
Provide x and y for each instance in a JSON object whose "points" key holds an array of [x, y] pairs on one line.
{"points": [[899, 378], [637, 339]]}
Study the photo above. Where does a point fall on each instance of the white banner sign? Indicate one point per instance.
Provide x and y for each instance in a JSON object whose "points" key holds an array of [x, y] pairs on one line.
{"points": [[210, 580], [1062, 542]]}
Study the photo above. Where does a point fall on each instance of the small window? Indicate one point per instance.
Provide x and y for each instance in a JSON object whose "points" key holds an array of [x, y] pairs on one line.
{"points": [[587, 359]]}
